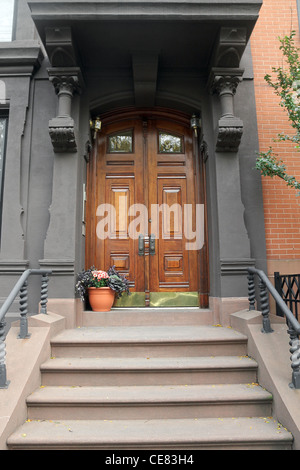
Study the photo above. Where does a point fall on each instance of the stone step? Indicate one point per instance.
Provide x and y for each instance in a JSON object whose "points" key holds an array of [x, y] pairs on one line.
{"points": [[148, 371], [149, 402], [154, 341], [204, 434], [148, 316]]}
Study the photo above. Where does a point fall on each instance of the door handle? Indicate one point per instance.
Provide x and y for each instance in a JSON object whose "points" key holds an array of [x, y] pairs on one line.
{"points": [[152, 244], [141, 245]]}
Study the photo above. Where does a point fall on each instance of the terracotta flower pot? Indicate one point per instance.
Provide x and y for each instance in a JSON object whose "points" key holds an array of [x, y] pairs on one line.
{"points": [[101, 298]]}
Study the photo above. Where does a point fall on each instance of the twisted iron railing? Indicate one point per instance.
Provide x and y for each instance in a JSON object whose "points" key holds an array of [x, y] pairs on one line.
{"points": [[21, 289], [266, 287]]}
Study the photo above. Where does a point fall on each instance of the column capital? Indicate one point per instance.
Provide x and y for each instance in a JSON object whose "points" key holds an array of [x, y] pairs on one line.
{"points": [[66, 79], [224, 79], [225, 83]]}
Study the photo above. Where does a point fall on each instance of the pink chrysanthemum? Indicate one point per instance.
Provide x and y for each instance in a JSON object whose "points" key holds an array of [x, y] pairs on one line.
{"points": [[100, 274]]}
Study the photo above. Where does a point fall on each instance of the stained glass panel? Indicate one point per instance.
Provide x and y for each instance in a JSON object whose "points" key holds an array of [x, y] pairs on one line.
{"points": [[121, 142], [169, 143]]}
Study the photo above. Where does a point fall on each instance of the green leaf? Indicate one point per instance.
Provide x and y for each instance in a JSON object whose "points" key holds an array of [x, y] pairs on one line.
{"points": [[286, 85]]}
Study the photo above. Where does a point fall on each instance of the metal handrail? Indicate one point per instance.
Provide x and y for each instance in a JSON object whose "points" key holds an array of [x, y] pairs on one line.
{"points": [[266, 286], [21, 288]]}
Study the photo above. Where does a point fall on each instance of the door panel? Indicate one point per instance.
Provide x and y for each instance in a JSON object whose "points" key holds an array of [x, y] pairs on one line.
{"points": [[171, 196], [119, 186], [170, 164], [118, 246], [144, 173]]}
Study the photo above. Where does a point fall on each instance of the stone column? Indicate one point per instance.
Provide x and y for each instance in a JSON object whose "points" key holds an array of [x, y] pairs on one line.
{"points": [[230, 128], [59, 247], [226, 86], [60, 242], [234, 243], [66, 83]]}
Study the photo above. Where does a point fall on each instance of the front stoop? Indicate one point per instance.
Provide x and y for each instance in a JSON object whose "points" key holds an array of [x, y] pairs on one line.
{"points": [[188, 386]]}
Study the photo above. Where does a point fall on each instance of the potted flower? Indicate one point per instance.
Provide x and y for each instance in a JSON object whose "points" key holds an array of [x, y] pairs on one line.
{"points": [[101, 287]]}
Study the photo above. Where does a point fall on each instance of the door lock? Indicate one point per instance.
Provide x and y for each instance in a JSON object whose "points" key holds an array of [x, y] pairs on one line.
{"points": [[141, 245], [152, 244]]}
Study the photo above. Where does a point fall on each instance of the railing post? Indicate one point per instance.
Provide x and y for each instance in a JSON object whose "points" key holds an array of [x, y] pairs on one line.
{"points": [[3, 380], [20, 289], [265, 309], [251, 291], [295, 357], [277, 285], [23, 310], [44, 293]]}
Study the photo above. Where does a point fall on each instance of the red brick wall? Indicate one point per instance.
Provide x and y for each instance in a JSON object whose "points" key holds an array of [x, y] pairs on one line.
{"points": [[281, 205]]}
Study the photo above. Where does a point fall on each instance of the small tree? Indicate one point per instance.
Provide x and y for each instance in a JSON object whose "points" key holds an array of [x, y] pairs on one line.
{"points": [[287, 86]]}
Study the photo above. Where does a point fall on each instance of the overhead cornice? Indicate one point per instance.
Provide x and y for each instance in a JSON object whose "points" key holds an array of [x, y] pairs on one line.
{"points": [[155, 9], [19, 57]]}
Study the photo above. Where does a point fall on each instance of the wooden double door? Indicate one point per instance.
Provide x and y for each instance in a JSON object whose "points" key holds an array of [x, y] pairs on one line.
{"points": [[146, 211]]}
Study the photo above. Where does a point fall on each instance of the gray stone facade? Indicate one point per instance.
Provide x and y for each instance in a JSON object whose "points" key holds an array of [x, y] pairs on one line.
{"points": [[71, 61]]}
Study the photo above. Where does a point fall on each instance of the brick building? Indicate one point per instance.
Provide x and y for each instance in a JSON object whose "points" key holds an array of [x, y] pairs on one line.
{"points": [[281, 205]]}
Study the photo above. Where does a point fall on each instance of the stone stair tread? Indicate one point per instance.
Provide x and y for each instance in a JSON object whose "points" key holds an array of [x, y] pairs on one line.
{"points": [[200, 433], [148, 316], [103, 398], [139, 334], [148, 363], [219, 393]]}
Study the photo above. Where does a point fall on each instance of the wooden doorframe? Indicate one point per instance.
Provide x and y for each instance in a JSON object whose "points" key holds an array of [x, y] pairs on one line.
{"points": [[200, 185]]}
